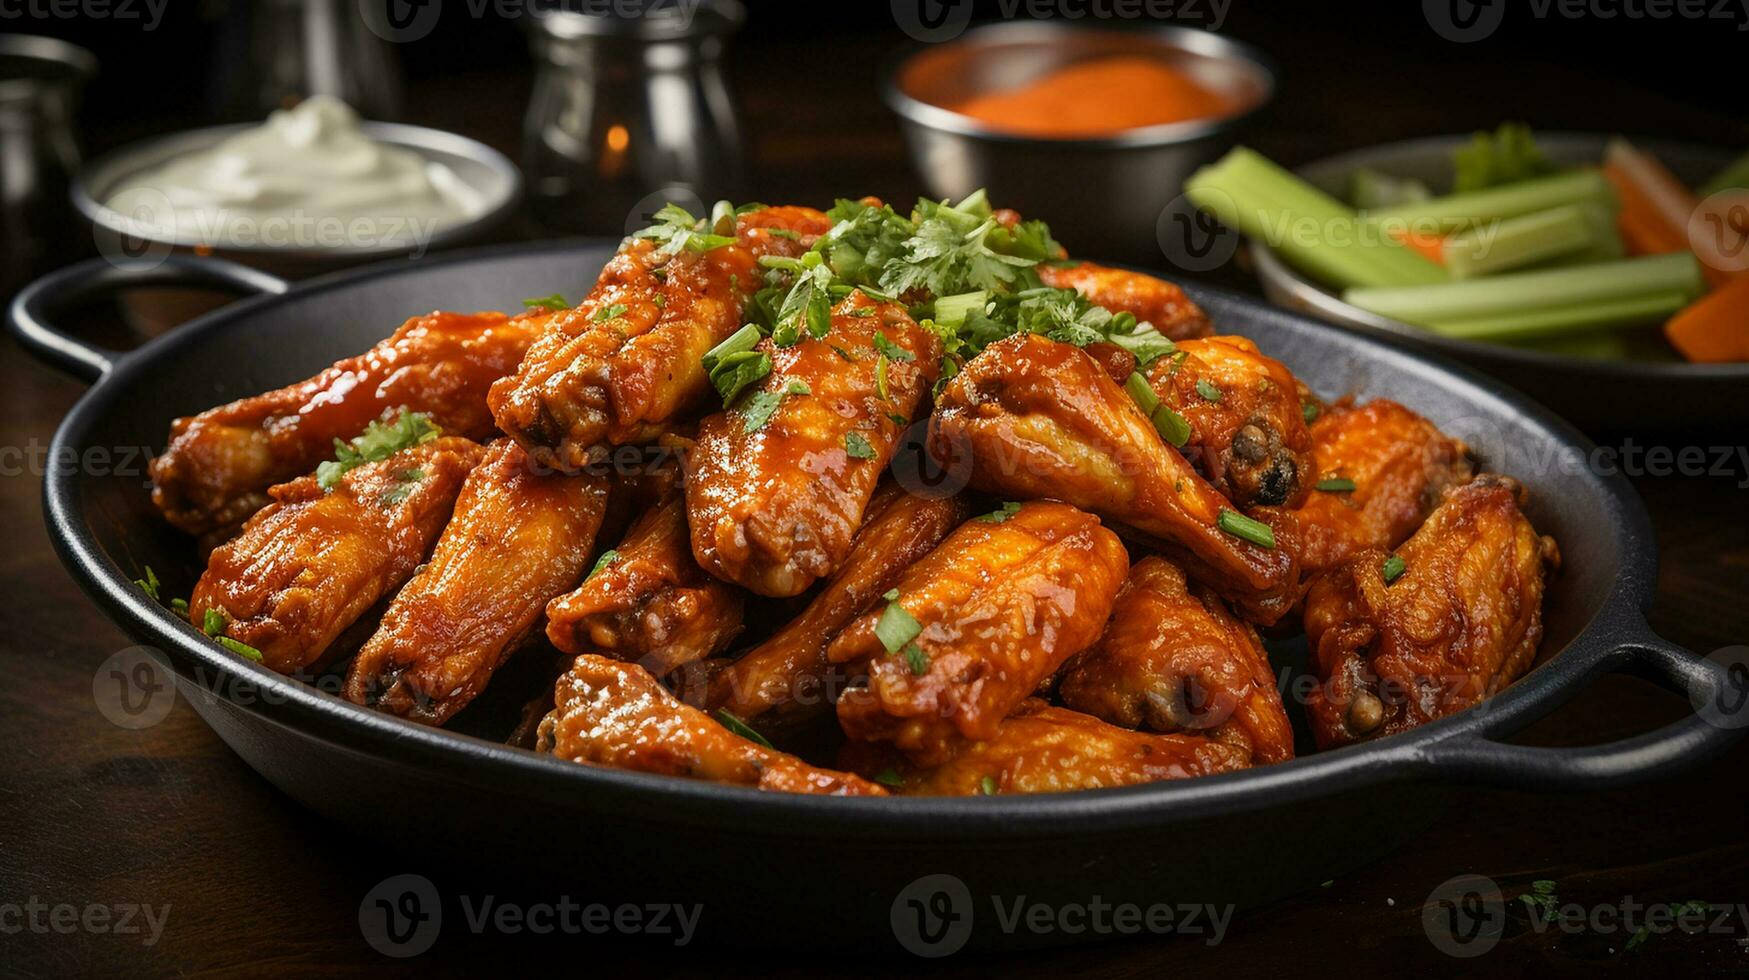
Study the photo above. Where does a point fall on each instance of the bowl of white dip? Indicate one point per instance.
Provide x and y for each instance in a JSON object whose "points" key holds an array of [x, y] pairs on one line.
{"points": [[311, 189]]}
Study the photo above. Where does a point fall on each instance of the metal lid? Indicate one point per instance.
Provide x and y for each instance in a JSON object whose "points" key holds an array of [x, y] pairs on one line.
{"points": [[639, 20]]}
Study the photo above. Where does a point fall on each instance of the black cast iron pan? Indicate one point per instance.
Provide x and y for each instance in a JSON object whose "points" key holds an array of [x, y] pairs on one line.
{"points": [[787, 870]]}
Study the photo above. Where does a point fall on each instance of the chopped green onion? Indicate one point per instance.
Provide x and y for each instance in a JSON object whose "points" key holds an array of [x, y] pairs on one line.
{"points": [[239, 648], [1393, 568], [741, 728], [214, 620], [890, 595], [881, 378], [857, 447], [1208, 391], [607, 558], [610, 312], [782, 233], [916, 659], [1240, 526], [896, 627], [1336, 484], [987, 786], [1141, 392], [891, 350], [179, 605], [897, 419], [149, 584], [555, 302], [846, 355], [736, 372], [764, 404]]}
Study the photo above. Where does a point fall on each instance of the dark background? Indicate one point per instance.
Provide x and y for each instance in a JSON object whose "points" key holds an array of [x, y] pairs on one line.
{"points": [[93, 813]]}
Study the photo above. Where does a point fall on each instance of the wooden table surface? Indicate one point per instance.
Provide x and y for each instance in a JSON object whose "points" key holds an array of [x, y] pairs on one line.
{"points": [[93, 813]]}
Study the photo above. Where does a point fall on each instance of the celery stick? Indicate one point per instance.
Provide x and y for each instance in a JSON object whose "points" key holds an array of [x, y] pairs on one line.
{"points": [[1560, 320], [1454, 212], [1521, 241], [1519, 292], [1735, 175], [1310, 229]]}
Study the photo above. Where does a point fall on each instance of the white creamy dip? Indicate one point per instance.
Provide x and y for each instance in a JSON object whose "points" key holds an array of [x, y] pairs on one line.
{"points": [[309, 177]]}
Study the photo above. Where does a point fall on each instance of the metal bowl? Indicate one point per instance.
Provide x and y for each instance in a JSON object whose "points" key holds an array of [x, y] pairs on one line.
{"points": [[1600, 396], [1104, 194]]}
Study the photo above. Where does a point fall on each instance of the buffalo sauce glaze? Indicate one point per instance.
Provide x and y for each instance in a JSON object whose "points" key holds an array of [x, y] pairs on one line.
{"points": [[1098, 98]]}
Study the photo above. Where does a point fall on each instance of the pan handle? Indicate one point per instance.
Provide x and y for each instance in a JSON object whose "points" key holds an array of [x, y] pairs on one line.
{"points": [[1718, 693], [31, 314]]}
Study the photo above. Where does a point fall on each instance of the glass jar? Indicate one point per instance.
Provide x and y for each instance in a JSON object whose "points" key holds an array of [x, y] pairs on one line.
{"points": [[630, 112], [40, 79]]}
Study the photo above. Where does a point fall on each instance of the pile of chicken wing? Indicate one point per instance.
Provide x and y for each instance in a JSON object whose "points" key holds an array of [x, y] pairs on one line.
{"points": [[798, 519]]}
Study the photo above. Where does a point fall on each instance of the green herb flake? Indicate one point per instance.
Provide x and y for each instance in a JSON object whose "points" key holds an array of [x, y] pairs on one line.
{"points": [[846, 355], [783, 233], [891, 350], [213, 621], [1335, 484], [916, 659], [1393, 568], [1208, 391], [677, 229], [741, 728], [610, 312], [556, 302], [857, 447], [896, 627], [881, 379], [1244, 528], [239, 648], [378, 442], [891, 595], [607, 558], [1002, 513], [1309, 411], [179, 606], [764, 404], [890, 777], [1172, 426], [987, 786], [149, 584]]}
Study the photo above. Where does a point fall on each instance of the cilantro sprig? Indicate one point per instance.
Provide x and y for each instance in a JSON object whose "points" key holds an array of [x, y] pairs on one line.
{"points": [[378, 442], [679, 231]]}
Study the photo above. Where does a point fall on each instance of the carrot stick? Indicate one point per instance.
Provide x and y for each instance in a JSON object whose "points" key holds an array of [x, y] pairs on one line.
{"points": [[1714, 327], [1674, 205], [1643, 228], [1429, 244]]}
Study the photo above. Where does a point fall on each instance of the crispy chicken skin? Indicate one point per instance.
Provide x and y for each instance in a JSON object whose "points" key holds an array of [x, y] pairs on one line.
{"points": [[651, 603], [780, 683], [1001, 604], [218, 465], [1148, 299], [1041, 749], [310, 563], [1174, 659], [1401, 465], [1250, 438], [1461, 622], [1041, 419], [610, 713], [775, 509], [624, 366], [518, 538]]}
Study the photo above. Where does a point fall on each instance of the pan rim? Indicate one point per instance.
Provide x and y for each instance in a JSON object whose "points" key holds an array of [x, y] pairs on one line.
{"points": [[317, 714]]}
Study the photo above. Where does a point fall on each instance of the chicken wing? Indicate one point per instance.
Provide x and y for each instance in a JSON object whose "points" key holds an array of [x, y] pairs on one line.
{"points": [[650, 602], [1174, 659], [977, 626], [1041, 749], [610, 713], [518, 538], [1040, 419], [625, 364], [218, 465], [1148, 299], [780, 684], [1247, 431], [775, 502], [1399, 464], [1452, 619], [310, 563]]}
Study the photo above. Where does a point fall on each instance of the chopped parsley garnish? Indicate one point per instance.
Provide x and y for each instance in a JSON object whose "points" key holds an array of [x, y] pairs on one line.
{"points": [[857, 447], [764, 404], [1002, 513], [916, 659], [987, 786], [950, 252], [555, 302], [896, 627], [609, 312], [808, 304], [401, 490], [1309, 411], [841, 352], [378, 442], [1240, 526], [677, 229], [1393, 568], [1208, 391], [607, 558], [149, 584], [741, 728], [1335, 484]]}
